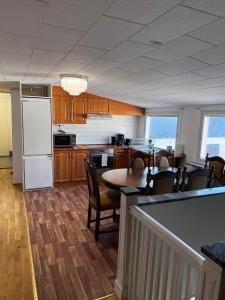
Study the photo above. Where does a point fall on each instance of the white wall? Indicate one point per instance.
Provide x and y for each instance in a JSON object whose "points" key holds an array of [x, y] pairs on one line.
{"points": [[189, 131], [100, 131], [16, 136], [6, 124]]}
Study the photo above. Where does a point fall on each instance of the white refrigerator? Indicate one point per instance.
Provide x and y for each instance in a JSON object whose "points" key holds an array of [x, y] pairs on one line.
{"points": [[37, 143]]}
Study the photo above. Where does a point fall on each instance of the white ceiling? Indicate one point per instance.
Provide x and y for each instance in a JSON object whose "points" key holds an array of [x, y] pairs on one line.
{"points": [[111, 42]]}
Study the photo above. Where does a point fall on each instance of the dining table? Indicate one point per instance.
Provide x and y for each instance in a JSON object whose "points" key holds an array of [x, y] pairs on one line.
{"points": [[117, 178]]}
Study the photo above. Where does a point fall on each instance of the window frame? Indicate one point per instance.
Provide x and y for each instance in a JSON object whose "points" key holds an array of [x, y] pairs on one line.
{"points": [[167, 114], [206, 113]]}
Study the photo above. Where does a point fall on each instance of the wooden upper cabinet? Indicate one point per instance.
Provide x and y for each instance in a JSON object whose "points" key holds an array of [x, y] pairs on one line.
{"points": [[120, 108], [98, 106], [61, 109], [78, 110], [62, 166], [78, 166]]}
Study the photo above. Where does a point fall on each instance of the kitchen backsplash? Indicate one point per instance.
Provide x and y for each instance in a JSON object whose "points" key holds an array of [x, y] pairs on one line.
{"points": [[100, 131]]}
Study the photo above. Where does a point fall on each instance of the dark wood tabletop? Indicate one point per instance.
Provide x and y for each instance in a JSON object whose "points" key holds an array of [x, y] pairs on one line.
{"points": [[118, 178]]}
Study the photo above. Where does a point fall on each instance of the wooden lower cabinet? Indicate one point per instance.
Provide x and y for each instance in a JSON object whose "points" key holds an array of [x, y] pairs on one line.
{"points": [[78, 167], [69, 165], [120, 160], [62, 166]]}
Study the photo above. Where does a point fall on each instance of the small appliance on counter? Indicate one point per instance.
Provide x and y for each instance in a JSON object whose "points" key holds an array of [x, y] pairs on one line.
{"points": [[120, 139], [61, 140], [127, 142], [113, 140]]}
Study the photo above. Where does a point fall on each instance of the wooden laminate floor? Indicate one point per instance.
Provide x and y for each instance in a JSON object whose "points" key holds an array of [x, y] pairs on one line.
{"points": [[68, 263], [15, 258]]}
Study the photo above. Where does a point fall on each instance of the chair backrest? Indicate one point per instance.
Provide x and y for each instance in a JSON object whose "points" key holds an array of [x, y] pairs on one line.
{"points": [[165, 154], [196, 180], [138, 163], [147, 158], [92, 181], [217, 162], [163, 182], [163, 162]]}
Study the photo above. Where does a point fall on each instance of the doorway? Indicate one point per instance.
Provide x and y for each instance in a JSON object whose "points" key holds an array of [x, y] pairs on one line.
{"points": [[5, 131]]}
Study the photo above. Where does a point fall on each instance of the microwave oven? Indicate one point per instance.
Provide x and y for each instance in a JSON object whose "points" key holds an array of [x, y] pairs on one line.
{"points": [[61, 140]]}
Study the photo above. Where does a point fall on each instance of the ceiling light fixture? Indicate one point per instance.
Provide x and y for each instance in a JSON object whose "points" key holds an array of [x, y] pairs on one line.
{"points": [[74, 84]]}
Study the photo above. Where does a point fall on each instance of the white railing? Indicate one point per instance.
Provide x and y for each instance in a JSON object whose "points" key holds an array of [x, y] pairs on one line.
{"points": [[154, 264]]}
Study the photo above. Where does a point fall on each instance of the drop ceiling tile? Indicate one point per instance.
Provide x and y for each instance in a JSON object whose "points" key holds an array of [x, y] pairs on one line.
{"points": [[144, 76], [66, 67], [14, 63], [212, 72], [80, 14], [180, 66], [21, 17], [178, 48], [84, 55], [216, 7], [46, 58], [108, 33], [213, 56], [141, 11], [139, 64], [57, 39], [14, 43], [212, 33], [99, 66], [127, 51], [173, 24]]}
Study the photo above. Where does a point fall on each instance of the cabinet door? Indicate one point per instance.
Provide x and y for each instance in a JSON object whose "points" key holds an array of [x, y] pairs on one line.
{"points": [[61, 111], [62, 166], [78, 110], [93, 106], [78, 166], [103, 106], [120, 162]]}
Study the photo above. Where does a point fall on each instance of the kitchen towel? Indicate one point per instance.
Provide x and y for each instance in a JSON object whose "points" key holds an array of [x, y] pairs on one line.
{"points": [[104, 159]]}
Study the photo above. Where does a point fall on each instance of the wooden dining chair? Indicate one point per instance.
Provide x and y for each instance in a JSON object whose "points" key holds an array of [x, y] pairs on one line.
{"points": [[197, 179], [163, 183], [219, 165], [143, 160], [165, 159], [108, 200]]}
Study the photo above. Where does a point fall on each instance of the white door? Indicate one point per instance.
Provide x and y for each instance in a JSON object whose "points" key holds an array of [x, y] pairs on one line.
{"points": [[37, 136], [5, 125], [37, 172]]}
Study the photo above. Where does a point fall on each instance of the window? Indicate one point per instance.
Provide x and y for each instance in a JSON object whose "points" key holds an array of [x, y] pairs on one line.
{"points": [[213, 136], [163, 129]]}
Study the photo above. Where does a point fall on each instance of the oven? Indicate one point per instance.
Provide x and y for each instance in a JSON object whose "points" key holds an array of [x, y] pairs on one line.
{"points": [[103, 159]]}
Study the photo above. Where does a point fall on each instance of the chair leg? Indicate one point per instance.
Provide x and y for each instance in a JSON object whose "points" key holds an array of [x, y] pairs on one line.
{"points": [[114, 216], [89, 216], [97, 224]]}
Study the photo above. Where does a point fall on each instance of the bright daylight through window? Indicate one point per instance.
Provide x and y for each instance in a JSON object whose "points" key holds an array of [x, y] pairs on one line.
{"points": [[213, 136], [163, 130]]}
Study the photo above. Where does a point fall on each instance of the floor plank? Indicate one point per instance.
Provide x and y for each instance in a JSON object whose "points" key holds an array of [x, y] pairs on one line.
{"points": [[68, 263], [15, 257]]}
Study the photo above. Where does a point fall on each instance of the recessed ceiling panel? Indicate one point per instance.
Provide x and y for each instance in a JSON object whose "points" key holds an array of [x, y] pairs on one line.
{"points": [[213, 56], [213, 72], [180, 66], [140, 11], [14, 43], [139, 64], [46, 58], [84, 55], [213, 33], [80, 14], [127, 51], [173, 24], [57, 39], [216, 7], [21, 17], [178, 48], [109, 32]]}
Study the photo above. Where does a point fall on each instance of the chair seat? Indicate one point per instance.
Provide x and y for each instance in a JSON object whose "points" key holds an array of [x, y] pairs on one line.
{"points": [[109, 200]]}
